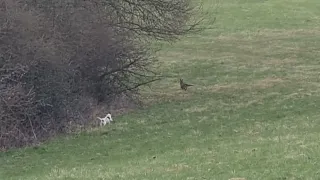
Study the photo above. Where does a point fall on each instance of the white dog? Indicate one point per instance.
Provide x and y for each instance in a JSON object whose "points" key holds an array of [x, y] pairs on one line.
{"points": [[105, 120]]}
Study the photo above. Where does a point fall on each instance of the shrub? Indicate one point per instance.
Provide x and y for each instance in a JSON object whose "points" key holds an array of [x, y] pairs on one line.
{"points": [[60, 59]]}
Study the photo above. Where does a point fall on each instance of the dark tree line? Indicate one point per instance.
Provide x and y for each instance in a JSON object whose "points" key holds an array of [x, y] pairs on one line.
{"points": [[59, 59]]}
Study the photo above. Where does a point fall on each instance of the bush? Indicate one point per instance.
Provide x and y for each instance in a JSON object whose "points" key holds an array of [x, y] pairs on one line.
{"points": [[59, 60]]}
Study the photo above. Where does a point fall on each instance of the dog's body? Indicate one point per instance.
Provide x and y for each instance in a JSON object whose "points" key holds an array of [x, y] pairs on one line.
{"points": [[105, 120], [183, 85]]}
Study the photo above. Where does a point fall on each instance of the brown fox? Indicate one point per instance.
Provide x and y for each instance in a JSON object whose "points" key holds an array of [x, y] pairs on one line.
{"points": [[183, 85]]}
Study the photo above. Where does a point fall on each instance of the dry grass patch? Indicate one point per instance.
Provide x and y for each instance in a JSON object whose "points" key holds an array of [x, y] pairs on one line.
{"points": [[169, 59], [268, 34], [223, 87], [267, 82], [191, 150], [257, 84], [177, 168], [288, 32], [277, 61], [166, 95], [196, 109]]}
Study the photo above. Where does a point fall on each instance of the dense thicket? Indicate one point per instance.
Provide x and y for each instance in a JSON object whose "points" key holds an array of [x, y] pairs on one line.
{"points": [[59, 59]]}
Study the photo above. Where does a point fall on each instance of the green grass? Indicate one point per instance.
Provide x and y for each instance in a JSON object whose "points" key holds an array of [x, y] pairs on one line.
{"points": [[253, 112]]}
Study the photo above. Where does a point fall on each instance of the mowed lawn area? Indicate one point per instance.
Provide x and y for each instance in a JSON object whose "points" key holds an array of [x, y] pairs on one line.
{"points": [[253, 112]]}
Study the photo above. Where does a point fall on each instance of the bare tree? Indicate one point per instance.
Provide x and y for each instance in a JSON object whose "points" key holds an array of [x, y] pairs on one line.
{"points": [[158, 19]]}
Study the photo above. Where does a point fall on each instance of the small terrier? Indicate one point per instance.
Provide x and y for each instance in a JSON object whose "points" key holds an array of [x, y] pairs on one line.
{"points": [[105, 120]]}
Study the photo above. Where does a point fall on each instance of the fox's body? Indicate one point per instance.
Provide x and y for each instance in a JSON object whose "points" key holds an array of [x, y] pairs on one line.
{"points": [[183, 85]]}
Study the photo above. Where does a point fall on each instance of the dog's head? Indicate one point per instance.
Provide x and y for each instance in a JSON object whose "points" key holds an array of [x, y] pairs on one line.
{"points": [[109, 117]]}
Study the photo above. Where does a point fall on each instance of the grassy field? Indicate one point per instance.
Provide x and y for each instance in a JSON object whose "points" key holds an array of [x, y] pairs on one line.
{"points": [[253, 112]]}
